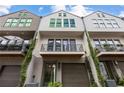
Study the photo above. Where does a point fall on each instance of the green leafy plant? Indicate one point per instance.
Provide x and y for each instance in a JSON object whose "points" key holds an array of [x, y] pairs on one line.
{"points": [[96, 60], [25, 63], [121, 82], [54, 84], [108, 47]]}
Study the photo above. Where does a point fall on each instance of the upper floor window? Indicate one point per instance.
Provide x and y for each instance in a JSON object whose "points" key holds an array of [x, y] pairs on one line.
{"points": [[58, 22], [66, 23], [72, 23], [16, 22], [64, 14], [105, 23], [52, 22], [60, 14]]}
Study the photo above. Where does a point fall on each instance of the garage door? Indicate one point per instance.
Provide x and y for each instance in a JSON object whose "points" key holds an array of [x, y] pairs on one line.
{"points": [[74, 75], [9, 76], [121, 65]]}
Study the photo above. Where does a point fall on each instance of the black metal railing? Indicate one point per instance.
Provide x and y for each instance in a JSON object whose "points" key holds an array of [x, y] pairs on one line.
{"points": [[110, 48], [21, 47], [62, 48]]}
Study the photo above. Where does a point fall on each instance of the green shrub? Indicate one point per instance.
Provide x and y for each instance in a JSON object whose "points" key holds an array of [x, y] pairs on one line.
{"points": [[25, 63], [96, 60], [121, 82], [54, 84]]}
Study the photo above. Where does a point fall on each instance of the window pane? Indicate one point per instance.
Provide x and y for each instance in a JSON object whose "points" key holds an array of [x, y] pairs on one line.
{"points": [[109, 41], [50, 45], [96, 41], [65, 45], [58, 45], [72, 23], [103, 41], [29, 20], [52, 22], [15, 20], [7, 24], [72, 45], [60, 14], [23, 20], [102, 25], [9, 20], [58, 24], [28, 24], [21, 24], [13, 24], [117, 42], [64, 14], [66, 24], [115, 25]]}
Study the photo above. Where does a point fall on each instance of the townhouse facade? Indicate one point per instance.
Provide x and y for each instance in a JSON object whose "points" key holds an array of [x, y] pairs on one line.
{"points": [[62, 53]]}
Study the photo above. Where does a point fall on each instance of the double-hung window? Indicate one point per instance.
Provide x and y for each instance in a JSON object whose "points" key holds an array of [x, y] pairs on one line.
{"points": [[72, 23], [22, 22], [59, 23], [8, 22], [66, 23], [52, 22]]}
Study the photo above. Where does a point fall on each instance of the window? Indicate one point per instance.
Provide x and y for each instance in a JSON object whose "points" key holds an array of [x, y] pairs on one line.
{"points": [[66, 23], [28, 22], [50, 45], [9, 20], [117, 42], [14, 22], [95, 23], [60, 14], [96, 41], [64, 14], [8, 23], [110, 42], [101, 23], [65, 45], [52, 22], [59, 23], [114, 23], [103, 41], [98, 14], [22, 22], [58, 45], [108, 23], [61, 45], [72, 45], [72, 23]]}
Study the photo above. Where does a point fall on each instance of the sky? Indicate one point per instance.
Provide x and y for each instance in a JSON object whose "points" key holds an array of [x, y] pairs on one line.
{"points": [[79, 10]]}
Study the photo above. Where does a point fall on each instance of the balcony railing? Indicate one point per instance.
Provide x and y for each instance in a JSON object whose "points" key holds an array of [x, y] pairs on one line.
{"points": [[62, 48], [22, 47], [110, 48]]}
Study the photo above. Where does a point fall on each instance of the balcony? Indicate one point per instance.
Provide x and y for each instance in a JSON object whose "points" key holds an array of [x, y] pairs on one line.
{"points": [[110, 50], [13, 50], [64, 50]]}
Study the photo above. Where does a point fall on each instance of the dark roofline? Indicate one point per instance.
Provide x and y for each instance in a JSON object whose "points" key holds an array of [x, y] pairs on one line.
{"points": [[20, 11], [63, 11]]}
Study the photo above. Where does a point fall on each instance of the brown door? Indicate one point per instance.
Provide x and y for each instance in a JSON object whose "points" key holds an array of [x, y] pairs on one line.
{"points": [[9, 76], [74, 75]]}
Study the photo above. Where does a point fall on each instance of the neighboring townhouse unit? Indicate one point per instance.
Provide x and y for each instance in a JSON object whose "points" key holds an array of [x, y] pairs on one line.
{"points": [[16, 31], [107, 37], [60, 50]]}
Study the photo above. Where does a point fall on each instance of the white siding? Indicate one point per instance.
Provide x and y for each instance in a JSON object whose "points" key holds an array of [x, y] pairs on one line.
{"points": [[44, 24], [90, 27]]}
